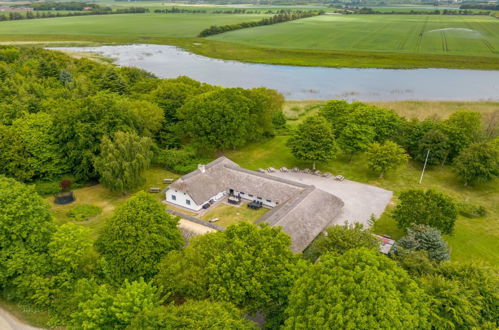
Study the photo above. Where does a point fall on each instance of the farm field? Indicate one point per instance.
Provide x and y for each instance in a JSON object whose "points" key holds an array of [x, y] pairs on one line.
{"points": [[419, 34], [126, 25]]}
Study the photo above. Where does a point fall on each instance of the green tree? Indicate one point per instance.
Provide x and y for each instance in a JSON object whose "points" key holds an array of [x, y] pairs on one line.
{"points": [[106, 309], [360, 289], [218, 120], [438, 143], [385, 157], [135, 239], [425, 238], [247, 265], [193, 315], [386, 123], [313, 141], [340, 239], [478, 163], [81, 125], [452, 306], [26, 227], [462, 128], [356, 138], [336, 113], [31, 138], [430, 208], [483, 283], [122, 161]]}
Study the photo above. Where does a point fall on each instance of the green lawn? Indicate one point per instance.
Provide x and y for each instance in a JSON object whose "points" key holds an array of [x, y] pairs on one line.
{"points": [[108, 201], [418, 34], [230, 215], [126, 25], [474, 239]]}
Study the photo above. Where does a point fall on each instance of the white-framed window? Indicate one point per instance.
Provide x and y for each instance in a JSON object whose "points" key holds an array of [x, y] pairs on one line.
{"points": [[174, 198]]}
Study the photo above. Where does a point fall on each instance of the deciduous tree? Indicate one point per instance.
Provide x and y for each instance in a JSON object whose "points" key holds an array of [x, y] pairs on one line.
{"points": [[313, 141], [135, 239], [360, 289], [430, 208], [193, 315], [478, 163], [340, 239], [123, 160], [462, 128], [384, 157], [356, 138], [247, 265]]}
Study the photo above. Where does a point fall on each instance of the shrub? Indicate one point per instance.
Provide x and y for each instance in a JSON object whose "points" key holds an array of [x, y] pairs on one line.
{"points": [[84, 212], [47, 188], [471, 211], [178, 160]]}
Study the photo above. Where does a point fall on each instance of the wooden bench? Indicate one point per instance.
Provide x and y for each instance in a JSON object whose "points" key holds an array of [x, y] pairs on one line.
{"points": [[154, 190], [167, 180]]}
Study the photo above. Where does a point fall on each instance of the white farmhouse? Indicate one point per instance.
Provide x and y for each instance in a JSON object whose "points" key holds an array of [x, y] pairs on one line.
{"points": [[303, 211]]}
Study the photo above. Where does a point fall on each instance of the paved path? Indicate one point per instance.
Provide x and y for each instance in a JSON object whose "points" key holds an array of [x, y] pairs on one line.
{"points": [[9, 322], [361, 200]]}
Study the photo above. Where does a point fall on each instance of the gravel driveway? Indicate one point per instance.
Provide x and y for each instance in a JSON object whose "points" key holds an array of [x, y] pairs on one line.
{"points": [[361, 200]]}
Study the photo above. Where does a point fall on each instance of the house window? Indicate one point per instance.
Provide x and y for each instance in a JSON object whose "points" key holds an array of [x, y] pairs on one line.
{"points": [[259, 198], [250, 195], [188, 202], [174, 198], [269, 201], [242, 193]]}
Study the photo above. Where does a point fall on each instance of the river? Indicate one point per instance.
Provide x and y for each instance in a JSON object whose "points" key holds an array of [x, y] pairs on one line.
{"points": [[299, 83]]}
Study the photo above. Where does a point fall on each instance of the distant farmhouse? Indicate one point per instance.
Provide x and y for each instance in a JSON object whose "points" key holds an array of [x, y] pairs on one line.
{"points": [[303, 211]]}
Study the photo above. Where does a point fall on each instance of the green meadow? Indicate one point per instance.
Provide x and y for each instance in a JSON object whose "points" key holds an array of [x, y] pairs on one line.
{"points": [[125, 25], [419, 34], [358, 41]]}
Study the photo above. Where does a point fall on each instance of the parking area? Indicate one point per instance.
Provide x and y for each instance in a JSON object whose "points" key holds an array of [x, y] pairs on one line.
{"points": [[361, 200]]}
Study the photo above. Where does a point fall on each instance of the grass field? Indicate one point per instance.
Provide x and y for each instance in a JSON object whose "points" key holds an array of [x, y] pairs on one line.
{"points": [[425, 34], [331, 41], [126, 25], [229, 215]]}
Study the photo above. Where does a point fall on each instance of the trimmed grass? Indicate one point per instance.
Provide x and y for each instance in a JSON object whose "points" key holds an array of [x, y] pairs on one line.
{"points": [[419, 34], [230, 215], [474, 239], [108, 201]]}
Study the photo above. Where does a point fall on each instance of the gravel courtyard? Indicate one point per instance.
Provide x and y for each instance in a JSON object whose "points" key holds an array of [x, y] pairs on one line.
{"points": [[361, 200]]}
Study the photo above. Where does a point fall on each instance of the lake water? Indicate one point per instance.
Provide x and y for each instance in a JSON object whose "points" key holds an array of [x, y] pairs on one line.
{"points": [[299, 83]]}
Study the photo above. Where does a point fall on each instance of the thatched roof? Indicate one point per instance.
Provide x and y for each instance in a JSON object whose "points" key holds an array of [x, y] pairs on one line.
{"points": [[303, 210]]}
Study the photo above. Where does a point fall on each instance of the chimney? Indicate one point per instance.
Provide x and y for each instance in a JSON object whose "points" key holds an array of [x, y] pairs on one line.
{"points": [[202, 168]]}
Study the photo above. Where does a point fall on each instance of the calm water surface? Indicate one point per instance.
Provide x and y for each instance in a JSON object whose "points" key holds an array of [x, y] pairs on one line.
{"points": [[300, 83]]}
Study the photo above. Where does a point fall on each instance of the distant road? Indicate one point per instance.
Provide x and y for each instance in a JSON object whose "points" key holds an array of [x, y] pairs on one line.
{"points": [[9, 322]]}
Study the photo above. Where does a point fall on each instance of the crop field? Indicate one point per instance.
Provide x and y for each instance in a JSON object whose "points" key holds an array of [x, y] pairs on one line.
{"points": [[126, 25], [425, 34]]}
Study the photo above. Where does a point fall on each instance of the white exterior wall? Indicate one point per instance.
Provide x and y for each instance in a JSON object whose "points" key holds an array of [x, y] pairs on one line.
{"points": [[181, 199], [255, 198]]}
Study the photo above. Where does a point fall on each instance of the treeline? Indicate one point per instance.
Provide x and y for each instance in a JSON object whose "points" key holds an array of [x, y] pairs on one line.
{"points": [[74, 6], [279, 18], [485, 6], [466, 140], [16, 16], [176, 10], [55, 112], [371, 11]]}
